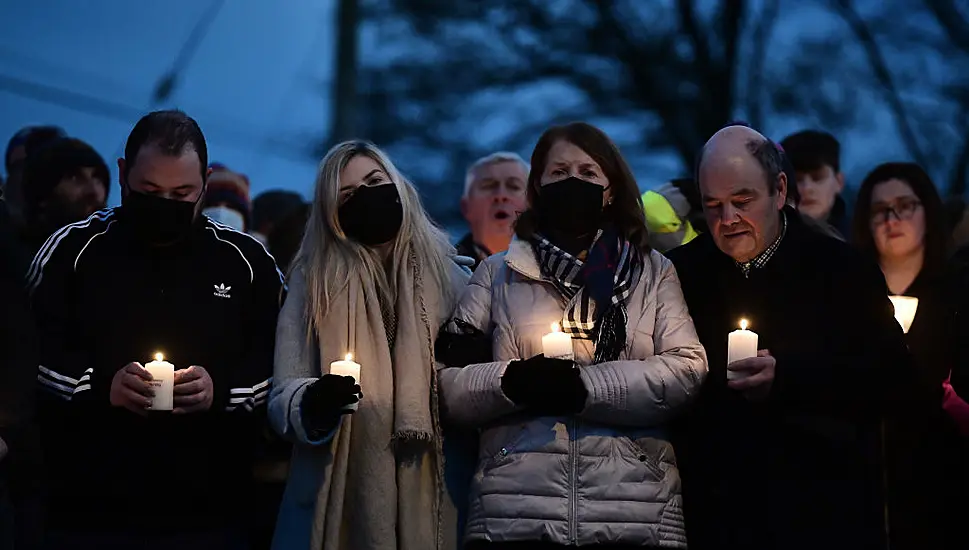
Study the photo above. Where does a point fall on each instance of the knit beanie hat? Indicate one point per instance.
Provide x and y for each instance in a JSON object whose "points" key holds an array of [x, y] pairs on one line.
{"points": [[51, 163], [31, 139], [225, 187]]}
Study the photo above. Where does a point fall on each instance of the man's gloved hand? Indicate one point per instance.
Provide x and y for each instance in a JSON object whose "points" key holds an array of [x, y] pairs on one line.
{"points": [[545, 387], [326, 400], [467, 346]]}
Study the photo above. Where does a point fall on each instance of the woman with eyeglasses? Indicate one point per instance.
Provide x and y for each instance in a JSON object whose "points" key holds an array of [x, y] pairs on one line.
{"points": [[900, 222]]}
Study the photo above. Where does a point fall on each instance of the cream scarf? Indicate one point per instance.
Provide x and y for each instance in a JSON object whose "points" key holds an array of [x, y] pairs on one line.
{"points": [[383, 486]]}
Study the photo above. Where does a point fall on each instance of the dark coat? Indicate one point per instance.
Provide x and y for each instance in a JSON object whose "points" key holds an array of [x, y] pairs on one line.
{"points": [[467, 247], [20, 470], [927, 510], [802, 469]]}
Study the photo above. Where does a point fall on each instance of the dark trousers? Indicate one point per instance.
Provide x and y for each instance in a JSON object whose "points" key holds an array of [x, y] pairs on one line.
{"points": [[209, 540]]}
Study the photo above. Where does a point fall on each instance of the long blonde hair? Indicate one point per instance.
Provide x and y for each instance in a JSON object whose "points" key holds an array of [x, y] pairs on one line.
{"points": [[328, 259]]}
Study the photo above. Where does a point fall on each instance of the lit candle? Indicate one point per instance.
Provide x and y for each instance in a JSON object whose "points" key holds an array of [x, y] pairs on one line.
{"points": [[557, 344], [162, 382], [741, 344], [905, 308], [347, 367]]}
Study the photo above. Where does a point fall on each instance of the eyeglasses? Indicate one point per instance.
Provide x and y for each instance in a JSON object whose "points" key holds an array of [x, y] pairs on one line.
{"points": [[902, 209]]}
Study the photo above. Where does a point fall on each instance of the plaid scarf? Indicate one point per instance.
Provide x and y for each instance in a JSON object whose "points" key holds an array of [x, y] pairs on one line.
{"points": [[596, 289]]}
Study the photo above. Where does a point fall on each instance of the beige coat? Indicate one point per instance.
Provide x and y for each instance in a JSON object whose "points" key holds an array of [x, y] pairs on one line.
{"points": [[608, 475]]}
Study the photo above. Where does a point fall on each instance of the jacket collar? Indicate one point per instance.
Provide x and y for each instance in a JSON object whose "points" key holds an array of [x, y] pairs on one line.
{"points": [[521, 258]]}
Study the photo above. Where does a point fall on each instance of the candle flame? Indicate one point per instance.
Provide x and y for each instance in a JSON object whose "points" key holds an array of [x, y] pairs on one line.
{"points": [[555, 327], [349, 357], [159, 356], [743, 324]]}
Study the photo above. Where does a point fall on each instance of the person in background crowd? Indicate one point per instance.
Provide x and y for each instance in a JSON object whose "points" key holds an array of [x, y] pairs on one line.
{"points": [[782, 450], [574, 450], [108, 293], [374, 278], [20, 469], [269, 208], [494, 195], [287, 235], [668, 213], [65, 181], [227, 198], [900, 223], [816, 158], [20, 147]]}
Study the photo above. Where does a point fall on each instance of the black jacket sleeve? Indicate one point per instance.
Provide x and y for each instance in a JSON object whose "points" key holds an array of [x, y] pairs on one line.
{"points": [[64, 367], [247, 387]]}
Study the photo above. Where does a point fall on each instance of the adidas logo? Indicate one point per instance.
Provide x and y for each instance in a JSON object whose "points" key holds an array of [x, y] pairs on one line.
{"points": [[222, 291]]}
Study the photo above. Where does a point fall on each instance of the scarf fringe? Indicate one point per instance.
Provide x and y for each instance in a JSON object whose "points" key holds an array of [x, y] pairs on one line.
{"points": [[437, 438]]}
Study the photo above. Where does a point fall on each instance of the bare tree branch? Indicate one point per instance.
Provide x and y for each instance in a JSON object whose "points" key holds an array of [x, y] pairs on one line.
{"points": [[758, 56], [880, 68], [951, 21]]}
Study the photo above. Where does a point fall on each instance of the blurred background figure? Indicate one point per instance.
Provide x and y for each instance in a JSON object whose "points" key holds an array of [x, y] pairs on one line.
{"points": [[494, 195], [900, 223], [64, 181], [287, 235], [816, 158], [19, 148], [20, 469], [227, 198], [270, 208], [670, 214]]}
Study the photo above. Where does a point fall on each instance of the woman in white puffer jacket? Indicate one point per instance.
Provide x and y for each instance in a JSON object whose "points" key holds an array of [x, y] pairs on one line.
{"points": [[575, 452]]}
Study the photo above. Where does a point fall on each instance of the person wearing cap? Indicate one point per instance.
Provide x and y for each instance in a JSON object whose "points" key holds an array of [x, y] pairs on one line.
{"points": [[227, 198], [668, 215], [64, 181], [269, 209], [20, 147]]}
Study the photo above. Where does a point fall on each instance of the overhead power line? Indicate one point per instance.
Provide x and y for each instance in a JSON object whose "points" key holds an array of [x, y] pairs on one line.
{"points": [[88, 104]]}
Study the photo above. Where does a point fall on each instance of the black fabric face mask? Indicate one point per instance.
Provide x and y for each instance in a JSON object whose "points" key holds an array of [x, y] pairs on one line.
{"points": [[372, 215], [157, 220], [571, 207]]}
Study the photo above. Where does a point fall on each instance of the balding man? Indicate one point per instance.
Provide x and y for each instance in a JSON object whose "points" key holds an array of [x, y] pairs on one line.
{"points": [[494, 195], [783, 450]]}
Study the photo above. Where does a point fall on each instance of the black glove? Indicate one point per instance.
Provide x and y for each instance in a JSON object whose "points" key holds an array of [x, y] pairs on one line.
{"points": [[326, 400], [466, 347], [546, 387]]}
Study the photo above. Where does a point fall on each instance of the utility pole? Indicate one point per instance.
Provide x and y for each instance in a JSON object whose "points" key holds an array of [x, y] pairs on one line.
{"points": [[344, 97]]}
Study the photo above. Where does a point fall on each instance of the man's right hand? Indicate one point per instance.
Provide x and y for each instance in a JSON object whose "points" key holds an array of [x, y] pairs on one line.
{"points": [[130, 388], [327, 399]]}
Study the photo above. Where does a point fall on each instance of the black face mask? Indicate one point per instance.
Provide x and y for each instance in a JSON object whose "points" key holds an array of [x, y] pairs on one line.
{"points": [[157, 220], [372, 215], [571, 207]]}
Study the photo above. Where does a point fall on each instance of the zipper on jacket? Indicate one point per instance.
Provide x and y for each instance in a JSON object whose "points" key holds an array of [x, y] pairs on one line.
{"points": [[573, 481]]}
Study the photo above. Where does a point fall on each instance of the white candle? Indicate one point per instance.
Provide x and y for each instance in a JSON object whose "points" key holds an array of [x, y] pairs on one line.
{"points": [[162, 382], [905, 308], [557, 344], [347, 367], [741, 344]]}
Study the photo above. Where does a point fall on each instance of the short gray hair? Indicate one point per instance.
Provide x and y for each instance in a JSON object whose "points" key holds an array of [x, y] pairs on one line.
{"points": [[493, 158]]}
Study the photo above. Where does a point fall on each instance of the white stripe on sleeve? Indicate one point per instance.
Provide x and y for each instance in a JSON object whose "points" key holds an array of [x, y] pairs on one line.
{"points": [[61, 385]]}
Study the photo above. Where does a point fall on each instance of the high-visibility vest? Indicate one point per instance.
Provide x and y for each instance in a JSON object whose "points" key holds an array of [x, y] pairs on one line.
{"points": [[667, 228]]}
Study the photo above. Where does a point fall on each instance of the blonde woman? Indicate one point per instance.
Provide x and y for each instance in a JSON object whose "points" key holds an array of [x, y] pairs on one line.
{"points": [[373, 277]]}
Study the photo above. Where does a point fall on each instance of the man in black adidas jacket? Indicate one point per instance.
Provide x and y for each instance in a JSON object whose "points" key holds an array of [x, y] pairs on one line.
{"points": [[153, 275]]}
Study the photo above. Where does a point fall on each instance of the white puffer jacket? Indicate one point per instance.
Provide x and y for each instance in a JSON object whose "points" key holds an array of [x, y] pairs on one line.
{"points": [[607, 475]]}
